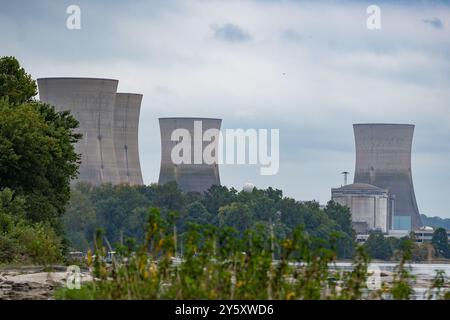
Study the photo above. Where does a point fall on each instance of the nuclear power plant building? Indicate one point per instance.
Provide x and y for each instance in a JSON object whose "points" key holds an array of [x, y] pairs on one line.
{"points": [[194, 174], [103, 119], [383, 159], [370, 206]]}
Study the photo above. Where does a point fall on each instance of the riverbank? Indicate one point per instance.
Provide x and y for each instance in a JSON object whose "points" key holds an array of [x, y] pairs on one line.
{"points": [[39, 282], [33, 282]]}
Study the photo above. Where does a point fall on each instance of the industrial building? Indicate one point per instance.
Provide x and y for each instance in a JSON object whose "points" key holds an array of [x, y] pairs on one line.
{"points": [[422, 235], [191, 175], [383, 159], [370, 206], [103, 119]]}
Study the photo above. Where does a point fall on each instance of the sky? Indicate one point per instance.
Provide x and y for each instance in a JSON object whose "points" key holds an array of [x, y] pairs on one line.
{"points": [[308, 68]]}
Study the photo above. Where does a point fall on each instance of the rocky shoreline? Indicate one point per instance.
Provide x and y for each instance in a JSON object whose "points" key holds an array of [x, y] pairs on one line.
{"points": [[33, 283], [38, 283]]}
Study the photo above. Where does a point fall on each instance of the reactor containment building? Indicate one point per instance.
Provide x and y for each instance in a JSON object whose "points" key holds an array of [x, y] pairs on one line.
{"points": [[109, 123], [193, 175], [383, 159], [370, 206]]}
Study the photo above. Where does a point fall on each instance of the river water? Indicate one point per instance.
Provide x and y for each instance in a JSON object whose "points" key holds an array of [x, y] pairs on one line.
{"points": [[423, 273]]}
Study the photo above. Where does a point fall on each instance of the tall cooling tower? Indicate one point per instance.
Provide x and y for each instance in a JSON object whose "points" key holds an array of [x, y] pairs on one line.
{"points": [[383, 159], [126, 125], [190, 176], [92, 103]]}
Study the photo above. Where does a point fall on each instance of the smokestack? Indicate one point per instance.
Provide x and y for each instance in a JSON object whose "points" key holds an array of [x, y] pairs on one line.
{"points": [[345, 173]]}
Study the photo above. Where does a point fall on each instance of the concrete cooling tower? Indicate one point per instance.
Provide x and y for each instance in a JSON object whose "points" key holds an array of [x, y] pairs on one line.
{"points": [[383, 159], [126, 126], [93, 103], [189, 176]]}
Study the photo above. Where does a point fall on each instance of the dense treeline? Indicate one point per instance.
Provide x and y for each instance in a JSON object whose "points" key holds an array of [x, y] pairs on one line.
{"points": [[381, 247], [122, 211], [435, 222]]}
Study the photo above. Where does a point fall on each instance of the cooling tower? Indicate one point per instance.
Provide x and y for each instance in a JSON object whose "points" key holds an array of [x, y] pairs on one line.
{"points": [[92, 103], [383, 159], [126, 125], [191, 176]]}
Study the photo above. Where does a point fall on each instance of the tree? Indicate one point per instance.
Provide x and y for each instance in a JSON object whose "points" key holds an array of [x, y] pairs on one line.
{"points": [[37, 154], [122, 210], [378, 247], [342, 216], [37, 159], [236, 215], [169, 196], [197, 213], [79, 220], [119, 210], [21, 240], [218, 196], [12, 209], [440, 243], [421, 252], [15, 83]]}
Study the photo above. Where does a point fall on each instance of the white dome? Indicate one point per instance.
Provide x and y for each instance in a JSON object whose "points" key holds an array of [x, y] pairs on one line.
{"points": [[248, 187]]}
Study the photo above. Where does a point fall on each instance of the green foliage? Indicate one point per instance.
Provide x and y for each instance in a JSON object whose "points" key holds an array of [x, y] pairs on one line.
{"points": [[421, 252], [15, 83], [169, 196], [12, 209], [37, 162], [37, 155], [440, 243], [378, 247], [22, 241], [38, 243], [9, 249], [236, 215], [401, 284], [218, 196], [37, 158], [343, 218], [79, 220], [196, 213], [438, 291]]}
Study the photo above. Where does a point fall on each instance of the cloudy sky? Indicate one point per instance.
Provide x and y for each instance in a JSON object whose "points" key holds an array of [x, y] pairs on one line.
{"points": [[308, 68]]}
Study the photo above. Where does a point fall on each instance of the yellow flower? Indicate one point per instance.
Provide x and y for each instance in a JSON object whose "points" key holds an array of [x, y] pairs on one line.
{"points": [[89, 258], [160, 244], [287, 244], [152, 269], [290, 296]]}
